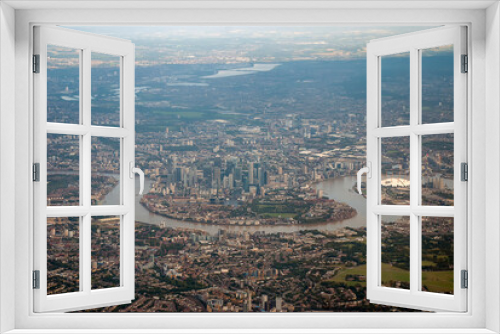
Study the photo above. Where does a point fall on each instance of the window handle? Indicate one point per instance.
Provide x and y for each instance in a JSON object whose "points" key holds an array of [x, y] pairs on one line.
{"points": [[368, 171], [134, 170]]}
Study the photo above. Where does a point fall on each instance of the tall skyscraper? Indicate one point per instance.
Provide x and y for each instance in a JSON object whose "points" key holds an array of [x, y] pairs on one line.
{"points": [[260, 176], [249, 301], [192, 176], [217, 173], [250, 173], [185, 176], [263, 302], [279, 302], [178, 174], [237, 174]]}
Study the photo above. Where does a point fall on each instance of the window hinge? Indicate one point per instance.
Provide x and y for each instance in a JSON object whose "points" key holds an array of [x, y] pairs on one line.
{"points": [[465, 279], [36, 172], [464, 171], [36, 279], [465, 63], [36, 63]]}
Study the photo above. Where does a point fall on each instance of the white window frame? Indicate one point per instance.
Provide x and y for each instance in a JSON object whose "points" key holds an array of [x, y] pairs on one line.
{"points": [[86, 44], [413, 44], [484, 49]]}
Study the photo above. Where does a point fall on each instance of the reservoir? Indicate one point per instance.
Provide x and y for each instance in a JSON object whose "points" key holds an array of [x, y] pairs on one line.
{"points": [[256, 68]]}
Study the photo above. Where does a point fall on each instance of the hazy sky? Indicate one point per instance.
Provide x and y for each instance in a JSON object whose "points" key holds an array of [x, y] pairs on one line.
{"points": [[249, 43], [246, 31]]}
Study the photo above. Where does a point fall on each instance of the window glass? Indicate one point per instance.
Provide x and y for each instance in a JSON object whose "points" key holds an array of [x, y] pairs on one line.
{"points": [[395, 170], [105, 252], [63, 255], [437, 170], [106, 89], [395, 233], [395, 89], [437, 84], [63, 85], [63, 170], [437, 254], [106, 171]]}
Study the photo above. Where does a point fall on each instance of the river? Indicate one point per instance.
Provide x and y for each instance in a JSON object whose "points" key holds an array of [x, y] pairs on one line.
{"points": [[339, 189]]}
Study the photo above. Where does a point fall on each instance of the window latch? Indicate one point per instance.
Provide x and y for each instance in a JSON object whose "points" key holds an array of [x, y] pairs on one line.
{"points": [[134, 170], [368, 171]]}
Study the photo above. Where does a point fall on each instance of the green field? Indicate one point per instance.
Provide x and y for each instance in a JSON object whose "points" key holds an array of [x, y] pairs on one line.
{"points": [[434, 281], [426, 263], [438, 281], [181, 114], [278, 208], [391, 273], [174, 119], [60, 181], [340, 277]]}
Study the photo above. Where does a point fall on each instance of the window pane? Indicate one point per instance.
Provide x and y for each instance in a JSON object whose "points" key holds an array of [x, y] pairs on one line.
{"points": [[105, 252], [63, 170], [395, 170], [395, 233], [395, 94], [106, 171], [437, 84], [437, 254], [437, 170], [63, 85], [105, 89], [63, 255]]}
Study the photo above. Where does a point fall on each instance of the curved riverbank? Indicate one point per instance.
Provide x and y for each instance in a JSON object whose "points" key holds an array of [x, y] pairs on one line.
{"points": [[312, 211], [339, 189]]}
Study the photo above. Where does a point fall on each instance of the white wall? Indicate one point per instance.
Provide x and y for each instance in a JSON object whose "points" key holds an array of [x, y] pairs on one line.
{"points": [[492, 146], [485, 162], [7, 159]]}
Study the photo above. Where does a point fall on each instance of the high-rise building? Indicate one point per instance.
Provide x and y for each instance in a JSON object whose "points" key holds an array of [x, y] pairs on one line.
{"points": [[217, 173], [237, 174], [245, 183], [249, 301], [185, 176], [260, 176], [192, 176], [178, 174], [250, 173], [263, 302], [279, 302]]}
